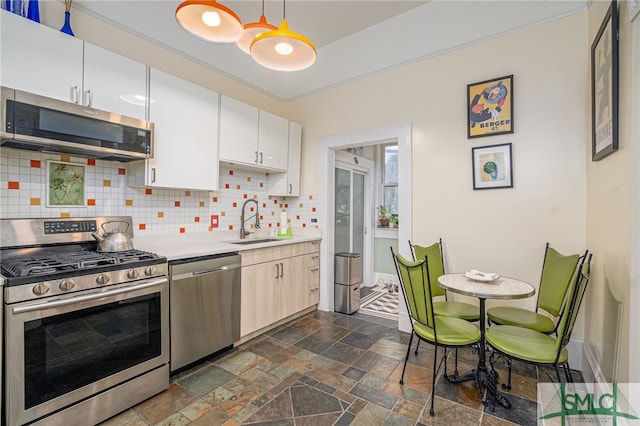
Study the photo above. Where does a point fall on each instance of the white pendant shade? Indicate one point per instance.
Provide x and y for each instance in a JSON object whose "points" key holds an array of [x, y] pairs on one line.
{"points": [[209, 20], [283, 50], [252, 30]]}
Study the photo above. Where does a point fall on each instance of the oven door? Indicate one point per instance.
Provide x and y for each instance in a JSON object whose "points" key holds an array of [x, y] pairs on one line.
{"points": [[63, 350]]}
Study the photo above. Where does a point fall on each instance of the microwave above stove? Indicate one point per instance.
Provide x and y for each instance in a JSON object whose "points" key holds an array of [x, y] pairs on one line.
{"points": [[38, 123]]}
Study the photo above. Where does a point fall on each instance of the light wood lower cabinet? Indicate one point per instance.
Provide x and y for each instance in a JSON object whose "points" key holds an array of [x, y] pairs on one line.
{"points": [[278, 282]]}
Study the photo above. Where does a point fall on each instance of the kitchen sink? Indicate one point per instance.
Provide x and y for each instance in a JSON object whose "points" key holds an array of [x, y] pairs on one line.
{"points": [[255, 241]]}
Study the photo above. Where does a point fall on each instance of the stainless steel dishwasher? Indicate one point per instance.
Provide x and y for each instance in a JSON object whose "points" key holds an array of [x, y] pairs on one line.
{"points": [[204, 306]]}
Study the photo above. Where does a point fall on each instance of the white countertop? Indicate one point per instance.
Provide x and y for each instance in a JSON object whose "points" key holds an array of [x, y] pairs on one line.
{"points": [[182, 246]]}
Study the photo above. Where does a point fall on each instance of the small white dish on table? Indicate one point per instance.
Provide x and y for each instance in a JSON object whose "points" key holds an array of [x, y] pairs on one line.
{"points": [[486, 277]]}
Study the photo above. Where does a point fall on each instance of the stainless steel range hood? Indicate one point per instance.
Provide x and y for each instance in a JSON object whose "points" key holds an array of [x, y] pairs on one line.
{"points": [[39, 123]]}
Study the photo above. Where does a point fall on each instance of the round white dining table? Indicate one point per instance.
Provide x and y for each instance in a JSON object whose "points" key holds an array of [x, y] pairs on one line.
{"points": [[500, 288]]}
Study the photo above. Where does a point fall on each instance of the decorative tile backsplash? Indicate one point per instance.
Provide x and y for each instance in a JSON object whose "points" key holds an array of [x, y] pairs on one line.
{"points": [[23, 194]]}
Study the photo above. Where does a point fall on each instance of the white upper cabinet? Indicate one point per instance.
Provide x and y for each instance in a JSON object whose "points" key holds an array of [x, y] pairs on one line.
{"points": [[41, 60], [273, 141], [288, 183], [238, 131], [114, 83], [185, 117], [252, 137], [295, 154], [38, 59]]}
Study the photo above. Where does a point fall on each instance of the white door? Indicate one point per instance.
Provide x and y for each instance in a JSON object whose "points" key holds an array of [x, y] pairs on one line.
{"points": [[353, 223]]}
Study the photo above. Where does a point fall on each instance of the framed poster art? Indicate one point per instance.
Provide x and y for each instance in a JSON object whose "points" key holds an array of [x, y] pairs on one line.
{"points": [[492, 167], [490, 107], [604, 87], [66, 184]]}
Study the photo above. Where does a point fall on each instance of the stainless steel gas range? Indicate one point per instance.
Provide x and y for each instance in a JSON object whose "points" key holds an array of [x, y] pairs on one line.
{"points": [[86, 332]]}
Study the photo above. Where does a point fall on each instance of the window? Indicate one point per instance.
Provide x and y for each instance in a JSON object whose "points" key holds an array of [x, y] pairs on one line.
{"points": [[388, 188]]}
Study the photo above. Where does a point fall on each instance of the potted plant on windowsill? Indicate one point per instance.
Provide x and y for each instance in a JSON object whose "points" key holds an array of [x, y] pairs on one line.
{"points": [[383, 216], [394, 220]]}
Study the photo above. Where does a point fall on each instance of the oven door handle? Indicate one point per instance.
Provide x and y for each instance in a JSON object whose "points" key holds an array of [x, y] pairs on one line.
{"points": [[88, 297]]}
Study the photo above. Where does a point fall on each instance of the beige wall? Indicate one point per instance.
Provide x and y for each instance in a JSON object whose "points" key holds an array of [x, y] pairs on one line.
{"points": [[504, 229], [609, 218]]}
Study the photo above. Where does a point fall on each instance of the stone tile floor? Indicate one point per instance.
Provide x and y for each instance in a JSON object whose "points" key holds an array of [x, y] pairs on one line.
{"points": [[327, 368]]}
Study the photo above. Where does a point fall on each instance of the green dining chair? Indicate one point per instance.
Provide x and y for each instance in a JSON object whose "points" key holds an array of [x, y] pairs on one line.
{"points": [[557, 272], [447, 308], [440, 331], [535, 347]]}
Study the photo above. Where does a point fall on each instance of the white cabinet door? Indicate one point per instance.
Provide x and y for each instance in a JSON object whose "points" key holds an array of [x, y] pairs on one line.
{"points": [[288, 182], [186, 128], [38, 59], [238, 132], [273, 136], [114, 83], [293, 165]]}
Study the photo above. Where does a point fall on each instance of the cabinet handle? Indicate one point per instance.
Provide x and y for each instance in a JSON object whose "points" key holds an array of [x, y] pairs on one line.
{"points": [[260, 158], [290, 188], [153, 174], [277, 270], [314, 289], [315, 257], [281, 270], [256, 157], [314, 269], [88, 100], [74, 94]]}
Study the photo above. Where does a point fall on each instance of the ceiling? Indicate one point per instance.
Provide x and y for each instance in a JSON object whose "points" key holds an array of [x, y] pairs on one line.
{"points": [[353, 38]]}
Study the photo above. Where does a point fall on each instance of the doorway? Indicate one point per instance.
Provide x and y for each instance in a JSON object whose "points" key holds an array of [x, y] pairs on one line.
{"points": [[353, 195], [328, 149]]}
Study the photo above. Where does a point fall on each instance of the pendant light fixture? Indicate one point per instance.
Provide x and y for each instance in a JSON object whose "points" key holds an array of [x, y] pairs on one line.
{"points": [[209, 20], [251, 30], [283, 50]]}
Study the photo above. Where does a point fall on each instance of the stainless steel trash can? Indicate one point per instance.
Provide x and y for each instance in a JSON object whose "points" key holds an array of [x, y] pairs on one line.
{"points": [[346, 291]]}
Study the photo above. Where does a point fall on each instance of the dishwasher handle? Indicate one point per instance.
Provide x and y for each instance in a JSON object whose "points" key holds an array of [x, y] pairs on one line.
{"points": [[196, 267], [204, 272]]}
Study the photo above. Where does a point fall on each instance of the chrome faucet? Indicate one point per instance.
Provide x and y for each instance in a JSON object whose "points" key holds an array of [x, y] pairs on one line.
{"points": [[243, 220]]}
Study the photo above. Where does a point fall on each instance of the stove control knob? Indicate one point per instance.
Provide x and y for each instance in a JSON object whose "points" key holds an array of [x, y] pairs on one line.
{"points": [[66, 285], [150, 270], [40, 289], [103, 279], [132, 274]]}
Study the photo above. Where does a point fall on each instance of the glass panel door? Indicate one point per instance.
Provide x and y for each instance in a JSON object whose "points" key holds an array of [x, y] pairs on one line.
{"points": [[350, 212]]}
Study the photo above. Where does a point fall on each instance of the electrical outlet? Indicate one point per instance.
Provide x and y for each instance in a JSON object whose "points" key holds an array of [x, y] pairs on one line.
{"points": [[214, 220]]}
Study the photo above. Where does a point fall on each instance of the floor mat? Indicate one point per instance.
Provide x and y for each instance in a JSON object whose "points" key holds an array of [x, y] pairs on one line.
{"points": [[380, 304]]}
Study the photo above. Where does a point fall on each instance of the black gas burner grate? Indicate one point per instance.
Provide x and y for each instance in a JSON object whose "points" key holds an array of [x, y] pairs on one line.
{"points": [[50, 263], [132, 256]]}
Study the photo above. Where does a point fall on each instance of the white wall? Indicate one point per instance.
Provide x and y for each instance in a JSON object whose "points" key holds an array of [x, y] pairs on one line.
{"points": [[501, 230]]}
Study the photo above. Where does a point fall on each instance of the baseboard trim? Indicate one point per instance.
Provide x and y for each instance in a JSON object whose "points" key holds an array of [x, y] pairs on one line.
{"points": [[595, 372]]}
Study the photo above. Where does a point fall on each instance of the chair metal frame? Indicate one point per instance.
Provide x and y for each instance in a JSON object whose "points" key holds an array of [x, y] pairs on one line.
{"points": [[444, 293], [424, 264], [567, 319]]}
